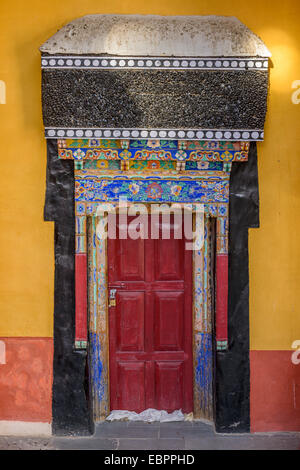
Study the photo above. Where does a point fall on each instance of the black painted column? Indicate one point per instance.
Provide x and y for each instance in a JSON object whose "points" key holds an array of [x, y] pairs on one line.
{"points": [[70, 409], [232, 394]]}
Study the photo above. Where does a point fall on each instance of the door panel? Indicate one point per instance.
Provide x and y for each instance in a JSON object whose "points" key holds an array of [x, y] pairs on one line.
{"points": [[130, 321], [151, 323], [168, 321], [131, 260], [131, 392], [169, 259], [169, 385]]}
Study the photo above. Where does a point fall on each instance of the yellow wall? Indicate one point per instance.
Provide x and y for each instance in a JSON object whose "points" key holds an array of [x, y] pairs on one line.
{"points": [[27, 264]]}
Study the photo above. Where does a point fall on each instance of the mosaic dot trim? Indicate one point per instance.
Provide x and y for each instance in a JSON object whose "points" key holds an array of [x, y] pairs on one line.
{"points": [[190, 134], [195, 63]]}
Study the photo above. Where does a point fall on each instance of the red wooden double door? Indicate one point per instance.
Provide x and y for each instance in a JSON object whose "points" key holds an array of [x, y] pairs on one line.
{"points": [[150, 325]]}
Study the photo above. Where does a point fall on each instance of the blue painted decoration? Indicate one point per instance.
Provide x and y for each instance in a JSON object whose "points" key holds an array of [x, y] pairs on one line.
{"points": [[203, 373]]}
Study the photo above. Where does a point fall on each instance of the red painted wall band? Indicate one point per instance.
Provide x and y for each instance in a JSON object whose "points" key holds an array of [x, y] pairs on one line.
{"points": [[274, 392], [221, 297], [80, 297]]}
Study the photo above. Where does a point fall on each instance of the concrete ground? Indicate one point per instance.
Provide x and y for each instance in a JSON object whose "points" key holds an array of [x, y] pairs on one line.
{"points": [[157, 436]]}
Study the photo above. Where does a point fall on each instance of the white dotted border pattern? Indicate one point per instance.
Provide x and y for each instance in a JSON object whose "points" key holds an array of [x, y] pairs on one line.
{"points": [[92, 62], [187, 134]]}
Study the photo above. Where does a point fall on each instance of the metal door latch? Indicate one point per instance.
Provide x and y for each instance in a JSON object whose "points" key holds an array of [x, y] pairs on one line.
{"points": [[112, 298]]}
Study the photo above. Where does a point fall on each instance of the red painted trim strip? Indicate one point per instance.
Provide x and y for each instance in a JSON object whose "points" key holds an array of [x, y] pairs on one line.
{"points": [[221, 297], [80, 297]]}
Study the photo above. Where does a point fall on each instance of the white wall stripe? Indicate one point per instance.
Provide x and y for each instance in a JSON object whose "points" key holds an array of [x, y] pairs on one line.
{"points": [[25, 428], [2, 352]]}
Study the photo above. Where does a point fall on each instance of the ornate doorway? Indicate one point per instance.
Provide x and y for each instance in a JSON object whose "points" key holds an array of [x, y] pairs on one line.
{"points": [[156, 110], [195, 269]]}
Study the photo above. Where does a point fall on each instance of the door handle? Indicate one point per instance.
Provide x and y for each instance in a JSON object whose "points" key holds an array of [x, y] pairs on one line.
{"points": [[112, 298]]}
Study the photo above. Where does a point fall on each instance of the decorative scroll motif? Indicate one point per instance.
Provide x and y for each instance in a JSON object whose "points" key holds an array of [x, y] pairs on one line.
{"points": [[158, 63], [177, 155], [161, 150], [156, 189]]}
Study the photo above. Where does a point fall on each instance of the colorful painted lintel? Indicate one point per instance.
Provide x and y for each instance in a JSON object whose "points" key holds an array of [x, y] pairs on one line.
{"points": [[158, 154], [151, 188], [154, 144], [100, 149]]}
